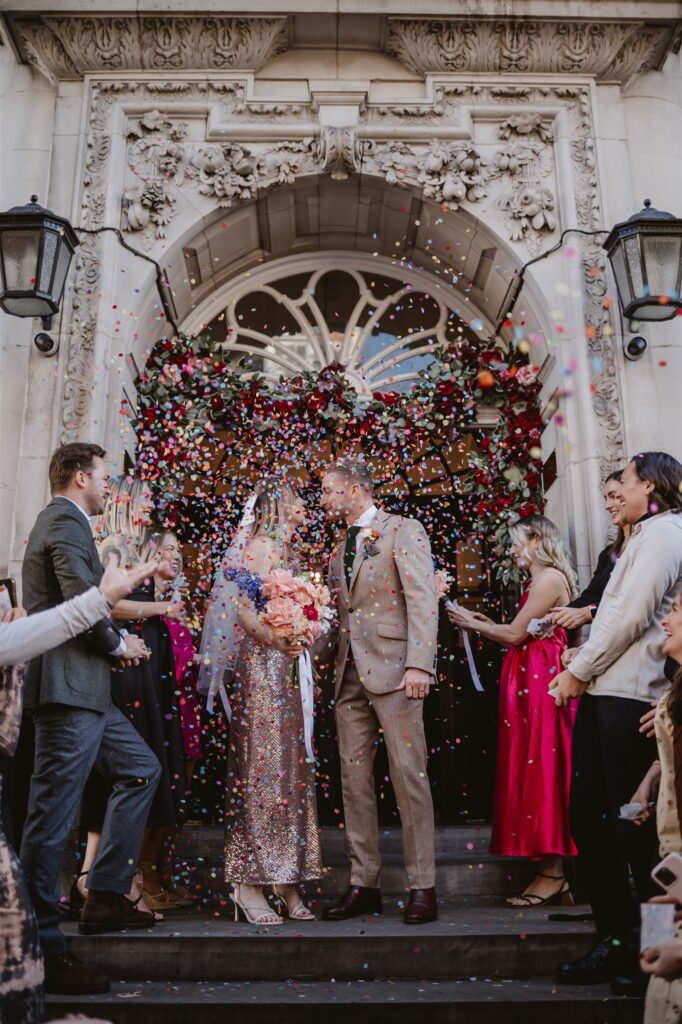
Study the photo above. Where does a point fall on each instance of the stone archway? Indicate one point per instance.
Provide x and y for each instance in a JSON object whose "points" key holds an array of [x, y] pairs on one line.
{"points": [[171, 156]]}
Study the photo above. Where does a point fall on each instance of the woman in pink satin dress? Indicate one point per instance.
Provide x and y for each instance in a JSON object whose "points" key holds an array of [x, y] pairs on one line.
{"points": [[531, 817]]}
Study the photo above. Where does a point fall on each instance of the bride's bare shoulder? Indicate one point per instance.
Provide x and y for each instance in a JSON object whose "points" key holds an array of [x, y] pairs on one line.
{"points": [[261, 554]]}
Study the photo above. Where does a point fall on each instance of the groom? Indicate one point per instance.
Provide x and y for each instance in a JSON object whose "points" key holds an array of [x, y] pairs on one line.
{"points": [[383, 579]]}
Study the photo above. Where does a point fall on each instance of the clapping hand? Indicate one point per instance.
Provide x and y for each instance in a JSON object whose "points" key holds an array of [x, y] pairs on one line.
{"points": [[175, 610]]}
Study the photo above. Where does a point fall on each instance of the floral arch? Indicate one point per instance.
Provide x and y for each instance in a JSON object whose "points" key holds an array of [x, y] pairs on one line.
{"points": [[305, 358]]}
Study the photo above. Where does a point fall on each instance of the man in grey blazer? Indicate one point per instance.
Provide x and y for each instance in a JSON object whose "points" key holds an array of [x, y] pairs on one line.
{"points": [[68, 692], [383, 580]]}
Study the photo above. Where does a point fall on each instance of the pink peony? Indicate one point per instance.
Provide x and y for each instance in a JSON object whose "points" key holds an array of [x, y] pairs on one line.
{"points": [[279, 614], [280, 583]]}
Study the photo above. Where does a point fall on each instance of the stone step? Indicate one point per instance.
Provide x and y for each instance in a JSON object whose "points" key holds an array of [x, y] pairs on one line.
{"points": [[465, 941], [451, 840], [463, 864], [474, 1001]]}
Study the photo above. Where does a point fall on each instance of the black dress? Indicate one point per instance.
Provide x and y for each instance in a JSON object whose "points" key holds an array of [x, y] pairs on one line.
{"points": [[147, 694], [592, 594]]}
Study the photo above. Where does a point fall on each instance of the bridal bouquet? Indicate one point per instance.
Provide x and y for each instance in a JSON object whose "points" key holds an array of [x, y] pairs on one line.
{"points": [[296, 608]]}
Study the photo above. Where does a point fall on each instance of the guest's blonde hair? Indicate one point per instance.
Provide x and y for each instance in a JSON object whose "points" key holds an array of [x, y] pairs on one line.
{"points": [[122, 515], [550, 551]]}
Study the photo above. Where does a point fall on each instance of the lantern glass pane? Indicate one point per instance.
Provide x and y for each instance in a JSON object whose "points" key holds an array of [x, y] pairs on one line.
{"points": [[662, 254], [617, 258], [20, 259], [63, 260], [634, 261], [47, 260]]}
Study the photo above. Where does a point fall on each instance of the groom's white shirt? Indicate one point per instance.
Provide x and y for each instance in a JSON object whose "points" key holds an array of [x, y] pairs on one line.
{"points": [[362, 521]]}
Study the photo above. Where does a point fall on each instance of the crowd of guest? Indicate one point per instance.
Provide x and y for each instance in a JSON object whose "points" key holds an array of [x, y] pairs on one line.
{"points": [[110, 687], [580, 771]]}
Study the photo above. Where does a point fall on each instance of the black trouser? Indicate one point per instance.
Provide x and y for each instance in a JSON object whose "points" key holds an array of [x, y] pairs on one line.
{"points": [[610, 759]]}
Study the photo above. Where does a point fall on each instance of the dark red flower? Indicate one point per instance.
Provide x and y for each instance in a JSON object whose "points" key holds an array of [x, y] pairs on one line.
{"points": [[310, 612]]}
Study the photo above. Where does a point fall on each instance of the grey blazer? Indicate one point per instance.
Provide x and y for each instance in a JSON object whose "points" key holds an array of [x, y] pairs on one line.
{"points": [[61, 561]]}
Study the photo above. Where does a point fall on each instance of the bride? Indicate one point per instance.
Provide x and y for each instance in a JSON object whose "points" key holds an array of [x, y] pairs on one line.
{"points": [[271, 830]]}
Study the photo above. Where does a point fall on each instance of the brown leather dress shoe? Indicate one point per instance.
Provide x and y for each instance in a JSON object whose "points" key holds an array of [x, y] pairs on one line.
{"points": [[67, 975], [111, 912], [421, 906], [356, 900]]}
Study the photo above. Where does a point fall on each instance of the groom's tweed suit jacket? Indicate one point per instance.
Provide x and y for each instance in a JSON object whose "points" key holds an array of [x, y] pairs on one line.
{"points": [[388, 616]]}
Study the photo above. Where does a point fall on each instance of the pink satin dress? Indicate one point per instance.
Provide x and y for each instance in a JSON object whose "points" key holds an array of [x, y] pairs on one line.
{"points": [[533, 780], [186, 671]]}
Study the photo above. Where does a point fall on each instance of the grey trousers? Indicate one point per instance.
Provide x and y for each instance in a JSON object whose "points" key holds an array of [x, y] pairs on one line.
{"points": [[69, 743], [359, 716]]}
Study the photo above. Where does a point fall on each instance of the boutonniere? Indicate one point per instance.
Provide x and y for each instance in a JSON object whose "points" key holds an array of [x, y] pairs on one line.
{"points": [[369, 537]]}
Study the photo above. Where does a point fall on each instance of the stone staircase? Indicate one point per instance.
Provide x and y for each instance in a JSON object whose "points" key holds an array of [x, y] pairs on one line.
{"points": [[479, 963]]}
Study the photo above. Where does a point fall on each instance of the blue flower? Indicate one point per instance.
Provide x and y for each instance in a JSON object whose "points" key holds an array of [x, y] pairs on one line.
{"points": [[249, 583]]}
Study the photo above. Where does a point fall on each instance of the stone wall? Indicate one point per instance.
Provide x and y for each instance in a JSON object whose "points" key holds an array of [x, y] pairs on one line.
{"points": [[485, 135]]}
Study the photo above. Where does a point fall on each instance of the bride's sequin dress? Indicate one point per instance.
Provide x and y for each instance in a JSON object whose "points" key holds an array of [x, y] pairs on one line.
{"points": [[271, 830]]}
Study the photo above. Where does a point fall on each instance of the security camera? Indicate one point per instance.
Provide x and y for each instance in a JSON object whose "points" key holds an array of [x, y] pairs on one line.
{"points": [[46, 344], [634, 348]]}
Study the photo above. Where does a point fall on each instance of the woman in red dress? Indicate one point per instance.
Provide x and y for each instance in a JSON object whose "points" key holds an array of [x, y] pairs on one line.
{"points": [[531, 818]]}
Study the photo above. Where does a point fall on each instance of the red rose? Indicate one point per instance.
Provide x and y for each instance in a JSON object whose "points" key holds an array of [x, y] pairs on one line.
{"points": [[310, 612], [315, 401]]}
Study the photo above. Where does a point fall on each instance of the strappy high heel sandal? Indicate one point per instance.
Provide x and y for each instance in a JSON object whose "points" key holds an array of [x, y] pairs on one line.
{"points": [[563, 896], [300, 911], [252, 915]]}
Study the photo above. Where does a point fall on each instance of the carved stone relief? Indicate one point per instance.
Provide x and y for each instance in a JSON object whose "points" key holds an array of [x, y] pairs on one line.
{"points": [[611, 51], [71, 45], [512, 168]]}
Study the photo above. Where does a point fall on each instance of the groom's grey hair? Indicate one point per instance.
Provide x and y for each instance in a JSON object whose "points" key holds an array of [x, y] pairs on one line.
{"points": [[356, 470]]}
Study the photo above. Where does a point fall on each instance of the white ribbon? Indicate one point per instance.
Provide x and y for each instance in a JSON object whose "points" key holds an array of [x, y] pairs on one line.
{"points": [[478, 685], [223, 697], [307, 685]]}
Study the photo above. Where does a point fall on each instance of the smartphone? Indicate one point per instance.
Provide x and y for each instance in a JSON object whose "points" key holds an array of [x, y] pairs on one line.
{"points": [[8, 595], [668, 874]]}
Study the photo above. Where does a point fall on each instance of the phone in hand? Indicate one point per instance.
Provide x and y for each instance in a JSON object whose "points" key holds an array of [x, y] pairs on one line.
{"points": [[668, 874]]}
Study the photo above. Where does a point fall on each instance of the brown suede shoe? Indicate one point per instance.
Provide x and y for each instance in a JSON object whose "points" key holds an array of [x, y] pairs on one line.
{"points": [[421, 907], [67, 975], [111, 912], [356, 900]]}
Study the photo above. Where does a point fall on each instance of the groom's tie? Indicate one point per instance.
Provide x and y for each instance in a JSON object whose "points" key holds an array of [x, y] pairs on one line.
{"points": [[349, 553]]}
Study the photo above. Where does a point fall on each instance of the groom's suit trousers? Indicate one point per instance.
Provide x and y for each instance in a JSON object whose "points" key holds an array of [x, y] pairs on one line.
{"points": [[361, 717]]}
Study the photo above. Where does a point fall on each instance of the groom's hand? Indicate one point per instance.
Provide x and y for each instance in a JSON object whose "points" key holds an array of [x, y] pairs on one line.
{"points": [[415, 683]]}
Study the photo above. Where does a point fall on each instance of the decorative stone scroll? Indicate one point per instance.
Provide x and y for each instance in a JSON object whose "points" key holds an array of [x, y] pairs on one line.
{"points": [[608, 50], [71, 45]]}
